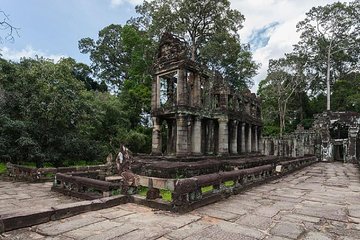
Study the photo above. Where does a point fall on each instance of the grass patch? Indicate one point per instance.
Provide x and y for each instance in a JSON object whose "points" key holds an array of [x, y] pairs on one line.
{"points": [[229, 183], [207, 189], [2, 168], [166, 195], [142, 191]]}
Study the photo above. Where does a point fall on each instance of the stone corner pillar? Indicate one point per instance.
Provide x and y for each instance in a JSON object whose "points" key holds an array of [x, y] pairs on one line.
{"points": [[156, 137], [181, 135], [256, 140], [223, 136], [233, 133], [196, 137], [351, 154], [249, 139], [243, 138]]}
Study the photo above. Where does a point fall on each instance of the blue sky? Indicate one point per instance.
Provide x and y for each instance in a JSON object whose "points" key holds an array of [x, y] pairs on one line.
{"points": [[52, 28]]}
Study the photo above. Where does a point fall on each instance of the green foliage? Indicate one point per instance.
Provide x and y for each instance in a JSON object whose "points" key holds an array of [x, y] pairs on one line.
{"points": [[54, 114], [330, 39], [269, 130], [229, 183], [210, 28], [2, 168], [166, 195], [142, 191], [328, 51]]}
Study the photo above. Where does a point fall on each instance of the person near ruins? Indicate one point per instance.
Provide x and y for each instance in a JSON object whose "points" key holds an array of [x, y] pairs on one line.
{"points": [[123, 165]]}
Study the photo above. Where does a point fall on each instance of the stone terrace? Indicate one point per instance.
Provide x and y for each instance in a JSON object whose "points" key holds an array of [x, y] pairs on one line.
{"points": [[17, 196], [319, 202]]}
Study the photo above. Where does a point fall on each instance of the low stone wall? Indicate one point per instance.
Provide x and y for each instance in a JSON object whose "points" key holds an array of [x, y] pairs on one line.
{"points": [[84, 187], [186, 193], [25, 173], [298, 144]]}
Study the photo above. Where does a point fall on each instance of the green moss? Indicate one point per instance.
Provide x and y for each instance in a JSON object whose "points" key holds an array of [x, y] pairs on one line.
{"points": [[229, 183], [166, 195], [207, 189], [2, 168], [142, 190], [115, 192]]}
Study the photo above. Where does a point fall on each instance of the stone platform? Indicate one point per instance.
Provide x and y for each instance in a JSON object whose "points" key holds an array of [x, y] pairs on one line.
{"points": [[16, 196], [319, 202]]}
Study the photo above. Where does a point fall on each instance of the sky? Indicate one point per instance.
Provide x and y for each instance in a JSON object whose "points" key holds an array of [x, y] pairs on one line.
{"points": [[52, 28]]}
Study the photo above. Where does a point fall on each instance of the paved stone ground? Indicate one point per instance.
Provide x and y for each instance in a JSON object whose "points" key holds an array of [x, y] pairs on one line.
{"points": [[319, 202], [22, 195]]}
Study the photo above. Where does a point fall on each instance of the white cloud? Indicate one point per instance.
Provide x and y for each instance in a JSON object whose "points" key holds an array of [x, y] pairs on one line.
{"points": [[116, 3], [27, 52], [261, 13]]}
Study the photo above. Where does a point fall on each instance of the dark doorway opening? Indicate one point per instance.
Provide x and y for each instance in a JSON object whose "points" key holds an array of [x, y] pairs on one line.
{"points": [[339, 153]]}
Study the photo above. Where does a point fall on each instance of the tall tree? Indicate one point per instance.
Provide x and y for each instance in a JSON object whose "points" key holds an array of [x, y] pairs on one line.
{"points": [[209, 27], [330, 38], [285, 77]]}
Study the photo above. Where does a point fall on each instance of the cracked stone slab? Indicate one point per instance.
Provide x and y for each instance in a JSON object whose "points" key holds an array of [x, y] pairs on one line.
{"points": [[287, 229], [255, 221]]}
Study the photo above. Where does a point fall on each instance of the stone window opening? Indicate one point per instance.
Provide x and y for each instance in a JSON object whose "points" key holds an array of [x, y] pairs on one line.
{"points": [[168, 90]]}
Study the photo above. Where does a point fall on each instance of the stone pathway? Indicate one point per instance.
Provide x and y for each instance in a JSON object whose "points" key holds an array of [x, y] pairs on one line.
{"points": [[15, 196], [319, 202]]}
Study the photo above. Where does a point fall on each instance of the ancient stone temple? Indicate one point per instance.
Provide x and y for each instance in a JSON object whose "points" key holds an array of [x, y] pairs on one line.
{"points": [[334, 136], [339, 133], [195, 111]]}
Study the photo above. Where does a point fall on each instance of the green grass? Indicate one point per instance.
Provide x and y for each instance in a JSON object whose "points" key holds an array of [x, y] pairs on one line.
{"points": [[2, 168], [142, 191], [166, 195], [229, 183], [207, 189]]}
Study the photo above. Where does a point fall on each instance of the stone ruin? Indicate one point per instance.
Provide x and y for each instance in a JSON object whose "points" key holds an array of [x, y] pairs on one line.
{"points": [[205, 142], [334, 136], [197, 112], [206, 145]]}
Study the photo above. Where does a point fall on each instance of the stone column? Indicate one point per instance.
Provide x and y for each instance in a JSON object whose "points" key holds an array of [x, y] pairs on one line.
{"points": [[223, 137], [180, 91], [155, 93], [294, 146], [156, 137], [261, 143], [243, 143], [181, 135], [256, 143], [233, 143], [351, 154], [249, 140], [196, 137]]}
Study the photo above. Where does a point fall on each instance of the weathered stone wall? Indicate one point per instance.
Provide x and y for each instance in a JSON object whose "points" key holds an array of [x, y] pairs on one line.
{"points": [[334, 136], [197, 110], [298, 144]]}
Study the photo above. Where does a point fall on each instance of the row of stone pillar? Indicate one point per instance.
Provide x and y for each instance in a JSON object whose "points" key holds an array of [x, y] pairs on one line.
{"points": [[227, 138]]}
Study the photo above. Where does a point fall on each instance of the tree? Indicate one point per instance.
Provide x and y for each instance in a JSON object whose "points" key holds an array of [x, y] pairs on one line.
{"points": [[210, 28], [330, 39], [5, 25], [109, 61], [285, 77]]}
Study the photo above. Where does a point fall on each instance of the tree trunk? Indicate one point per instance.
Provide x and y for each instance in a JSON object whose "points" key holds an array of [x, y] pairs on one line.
{"points": [[328, 79], [193, 52]]}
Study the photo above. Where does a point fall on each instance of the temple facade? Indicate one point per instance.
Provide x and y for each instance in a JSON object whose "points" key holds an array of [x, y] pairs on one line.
{"points": [[196, 111], [334, 136]]}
